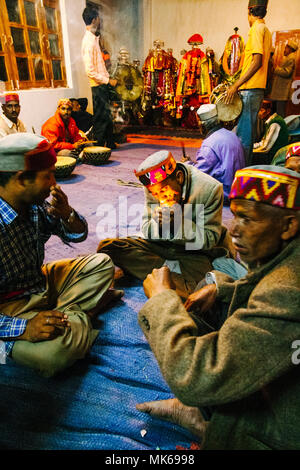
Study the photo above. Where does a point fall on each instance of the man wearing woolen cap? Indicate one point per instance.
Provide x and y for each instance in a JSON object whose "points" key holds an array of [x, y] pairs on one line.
{"points": [[9, 120], [181, 223], [45, 309], [253, 79], [221, 153], [237, 384]]}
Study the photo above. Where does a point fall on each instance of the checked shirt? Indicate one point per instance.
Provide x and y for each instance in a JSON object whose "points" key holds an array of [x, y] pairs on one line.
{"points": [[22, 249]]}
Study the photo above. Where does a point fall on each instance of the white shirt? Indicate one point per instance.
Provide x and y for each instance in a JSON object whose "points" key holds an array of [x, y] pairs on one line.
{"points": [[93, 60], [9, 127]]}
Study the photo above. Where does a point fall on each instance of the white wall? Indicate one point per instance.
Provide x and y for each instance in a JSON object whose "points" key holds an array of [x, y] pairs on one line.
{"points": [[122, 23], [174, 21], [135, 24]]}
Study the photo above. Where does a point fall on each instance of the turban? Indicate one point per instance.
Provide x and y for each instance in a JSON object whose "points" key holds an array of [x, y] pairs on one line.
{"points": [[25, 151], [64, 101], [156, 168], [269, 184]]}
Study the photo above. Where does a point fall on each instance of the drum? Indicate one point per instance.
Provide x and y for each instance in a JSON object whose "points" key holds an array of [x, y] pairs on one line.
{"points": [[96, 155], [64, 167], [226, 112], [130, 82]]}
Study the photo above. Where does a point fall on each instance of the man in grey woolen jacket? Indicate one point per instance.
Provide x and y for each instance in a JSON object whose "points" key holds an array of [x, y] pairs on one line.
{"points": [[238, 386]]}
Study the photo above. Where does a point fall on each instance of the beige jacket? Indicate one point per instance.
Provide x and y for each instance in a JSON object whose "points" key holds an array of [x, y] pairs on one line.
{"points": [[203, 203], [247, 371]]}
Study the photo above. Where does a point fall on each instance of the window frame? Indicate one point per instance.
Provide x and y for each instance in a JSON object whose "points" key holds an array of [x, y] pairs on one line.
{"points": [[11, 56]]}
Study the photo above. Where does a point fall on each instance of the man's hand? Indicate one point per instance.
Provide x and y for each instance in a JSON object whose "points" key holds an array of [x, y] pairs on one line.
{"points": [[59, 203], [113, 82], [164, 216], [158, 281], [202, 300], [45, 326], [79, 143], [174, 411], [230, 94]]}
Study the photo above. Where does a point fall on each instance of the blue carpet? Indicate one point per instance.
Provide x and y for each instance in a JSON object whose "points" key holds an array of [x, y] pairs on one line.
{"points": [[91, 406]]}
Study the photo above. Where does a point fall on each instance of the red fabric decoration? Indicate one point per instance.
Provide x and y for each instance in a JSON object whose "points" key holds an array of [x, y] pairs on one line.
{"points": [[196, 38]]}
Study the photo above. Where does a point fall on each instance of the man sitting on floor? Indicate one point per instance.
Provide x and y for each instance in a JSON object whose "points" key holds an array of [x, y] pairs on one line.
{"points": [[181, 225], [9, 120], [46, 310], [62, 132], [83, 119], [244, 371], [275, 137], [221, 153]]}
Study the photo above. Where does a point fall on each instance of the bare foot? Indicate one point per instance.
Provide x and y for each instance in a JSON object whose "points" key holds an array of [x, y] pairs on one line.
{"points": [[119, 273], [112, 295], [189, 417]]}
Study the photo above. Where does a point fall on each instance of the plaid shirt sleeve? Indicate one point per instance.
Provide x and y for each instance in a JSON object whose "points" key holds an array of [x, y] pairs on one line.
{"points": [[57, 227], [11, 327]]}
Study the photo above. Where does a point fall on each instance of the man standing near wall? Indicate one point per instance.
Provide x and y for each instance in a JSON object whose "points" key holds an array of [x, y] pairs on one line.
{"points": [[99, 78], [283, 78], [253, 79]]}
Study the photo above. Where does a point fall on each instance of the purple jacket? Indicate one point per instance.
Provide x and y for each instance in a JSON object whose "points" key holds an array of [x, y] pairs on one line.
{"points": [[221, 155]]}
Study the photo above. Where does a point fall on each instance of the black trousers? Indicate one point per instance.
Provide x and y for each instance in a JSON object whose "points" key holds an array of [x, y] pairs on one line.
{"points": [[103, 124]]}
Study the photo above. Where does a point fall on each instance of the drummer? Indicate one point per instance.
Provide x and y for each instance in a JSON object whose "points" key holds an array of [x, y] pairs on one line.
{"points": [[252, 82], [62, 132], [221, 153]]}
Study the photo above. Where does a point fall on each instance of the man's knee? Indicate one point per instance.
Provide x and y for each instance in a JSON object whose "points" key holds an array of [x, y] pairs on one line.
{"points": [[49, 358], [98, 262]]}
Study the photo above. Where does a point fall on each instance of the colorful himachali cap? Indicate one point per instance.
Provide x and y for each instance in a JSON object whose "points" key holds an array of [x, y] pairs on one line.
{"points": [[156, 168], [26, 152], [268, 184], [293, 151]]}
